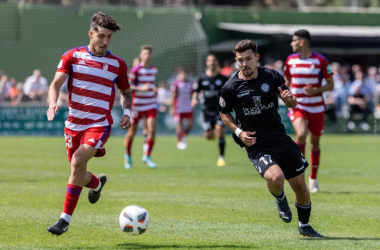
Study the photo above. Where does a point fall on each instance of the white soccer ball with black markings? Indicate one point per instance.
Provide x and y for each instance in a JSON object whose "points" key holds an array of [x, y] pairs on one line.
{"points": [[134, 220]]}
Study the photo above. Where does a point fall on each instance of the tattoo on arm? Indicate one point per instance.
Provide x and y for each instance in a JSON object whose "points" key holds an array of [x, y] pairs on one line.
{"points": [[126, 99]]}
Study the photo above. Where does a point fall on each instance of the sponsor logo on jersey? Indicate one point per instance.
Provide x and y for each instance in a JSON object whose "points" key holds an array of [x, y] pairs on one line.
{"points": [[218, 82], [205, 83], [265, 87], [243, 94], [222, 103], [105, 66], [258, 106], [82, 62]]}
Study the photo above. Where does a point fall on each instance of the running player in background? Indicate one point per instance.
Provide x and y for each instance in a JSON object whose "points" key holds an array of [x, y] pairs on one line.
{"points": [[181, 94], [144, 106], [208, 85], [92, 73], [304, 72]]}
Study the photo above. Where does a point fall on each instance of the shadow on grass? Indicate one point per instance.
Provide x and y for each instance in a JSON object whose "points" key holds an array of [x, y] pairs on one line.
{"points": [[144, 246], [343, 238]]}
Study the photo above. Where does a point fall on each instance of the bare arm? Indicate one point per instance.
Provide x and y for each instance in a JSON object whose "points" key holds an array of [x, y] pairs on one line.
{"points": [[58, 80], [244, 136], [126, 103], [194, 99]]}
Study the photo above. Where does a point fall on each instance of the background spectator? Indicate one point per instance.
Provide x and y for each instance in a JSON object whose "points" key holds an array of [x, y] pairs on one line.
{"points": [[36, 87]]}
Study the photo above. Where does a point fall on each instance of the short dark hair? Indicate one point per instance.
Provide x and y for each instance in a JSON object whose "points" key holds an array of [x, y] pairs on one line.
{"points": [[146, 46], [103, 20], [303, 34], [245, 45]]}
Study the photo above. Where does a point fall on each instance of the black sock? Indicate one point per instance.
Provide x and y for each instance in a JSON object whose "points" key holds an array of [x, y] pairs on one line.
{"points": [[281, 196], [222, 144], [303, 212]]}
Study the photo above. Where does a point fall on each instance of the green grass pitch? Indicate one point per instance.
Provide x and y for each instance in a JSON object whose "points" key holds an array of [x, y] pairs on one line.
{"points": [[193, 204]]}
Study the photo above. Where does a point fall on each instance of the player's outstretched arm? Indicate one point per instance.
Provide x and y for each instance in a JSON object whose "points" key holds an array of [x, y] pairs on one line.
{"points": [[245, 136], [126, 103], [54, 88]]}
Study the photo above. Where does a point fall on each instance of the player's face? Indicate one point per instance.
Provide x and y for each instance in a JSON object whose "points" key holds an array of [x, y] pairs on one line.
{"points": [[295, 44], [100, 40], [211, 62], [146, 56], [247, 62]]}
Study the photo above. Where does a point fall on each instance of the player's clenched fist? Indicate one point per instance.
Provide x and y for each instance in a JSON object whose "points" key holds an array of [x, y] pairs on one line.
{"points": [[125, 122]]}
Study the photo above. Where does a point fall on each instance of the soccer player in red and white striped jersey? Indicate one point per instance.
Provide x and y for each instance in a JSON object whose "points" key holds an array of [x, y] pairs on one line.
{"points": [[304, 72], [142, 78], [181, 95], [92, 73]]}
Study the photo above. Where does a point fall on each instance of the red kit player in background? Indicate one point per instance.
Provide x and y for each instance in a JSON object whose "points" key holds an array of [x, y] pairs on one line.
{"points": [[92, 73], [304, 72], [142, 78]]}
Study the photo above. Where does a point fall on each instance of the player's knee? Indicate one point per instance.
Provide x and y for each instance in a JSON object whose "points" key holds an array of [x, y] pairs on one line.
{"points": [[78, 162], [276, 180]]}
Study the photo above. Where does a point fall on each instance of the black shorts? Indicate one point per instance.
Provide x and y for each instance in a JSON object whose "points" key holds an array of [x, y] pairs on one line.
{"points": [[210, 119], [285, 153]]}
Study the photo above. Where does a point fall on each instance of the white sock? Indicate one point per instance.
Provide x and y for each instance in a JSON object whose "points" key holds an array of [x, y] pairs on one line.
{"points": [[302, 225], [98, 187], [66, 217]]}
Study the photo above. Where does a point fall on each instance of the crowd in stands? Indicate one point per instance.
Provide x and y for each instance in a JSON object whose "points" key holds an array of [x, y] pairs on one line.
{"points": [[356, 94]]}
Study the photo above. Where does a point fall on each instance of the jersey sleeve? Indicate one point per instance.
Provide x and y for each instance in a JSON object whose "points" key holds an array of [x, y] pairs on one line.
{"points": [[279, 82], [66, 62], [326, 68], [286, 69], [197, 85], [225, 100], [133, 80], [174, 87], [122, 78]]}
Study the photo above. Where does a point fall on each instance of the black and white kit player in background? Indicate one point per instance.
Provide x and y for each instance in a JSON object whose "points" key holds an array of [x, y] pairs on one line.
{"points": [[253, 94], [209, 84]]}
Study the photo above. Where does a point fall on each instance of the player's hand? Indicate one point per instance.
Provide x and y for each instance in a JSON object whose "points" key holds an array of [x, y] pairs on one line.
{"points": [[285, 94], [145, 87], [125, 122], [52, 111], [309, 90], [247, 138]]}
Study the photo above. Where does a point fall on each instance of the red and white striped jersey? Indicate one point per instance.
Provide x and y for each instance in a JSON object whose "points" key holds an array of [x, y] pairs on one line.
{"points": [[182, 102], [91, 85], [309, 71], [139, 76]]}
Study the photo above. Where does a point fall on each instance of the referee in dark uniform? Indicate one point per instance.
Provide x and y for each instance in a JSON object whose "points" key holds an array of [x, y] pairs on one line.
{"points": [[253, 94]]}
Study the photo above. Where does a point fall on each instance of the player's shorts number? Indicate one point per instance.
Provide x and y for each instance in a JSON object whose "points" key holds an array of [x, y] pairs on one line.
{"points": [[265, 159], [69, 141]]}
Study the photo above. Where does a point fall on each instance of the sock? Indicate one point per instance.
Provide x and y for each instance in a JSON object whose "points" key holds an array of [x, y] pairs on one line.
{"points": [[150, 146], [222, 144], [314, 163], [66, 217], [281, 196], [71, 200], [302, 147], [94, 182], [303, 213], [128, 145]]}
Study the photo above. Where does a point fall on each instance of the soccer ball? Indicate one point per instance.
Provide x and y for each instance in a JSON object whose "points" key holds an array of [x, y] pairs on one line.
{"points": [[134, 220]]}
